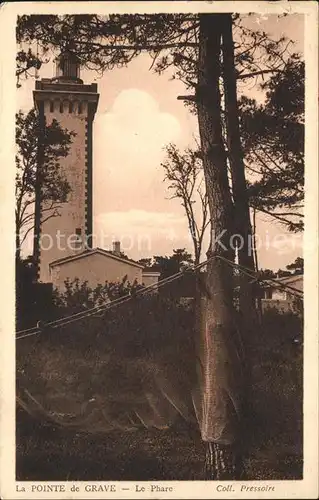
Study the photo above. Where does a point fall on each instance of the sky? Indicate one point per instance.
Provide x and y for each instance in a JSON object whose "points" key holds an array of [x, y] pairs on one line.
{"points": [[138, 114]]}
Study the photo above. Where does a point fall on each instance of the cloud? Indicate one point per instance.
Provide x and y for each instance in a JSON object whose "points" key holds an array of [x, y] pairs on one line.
{"points": [[141, 232], [135, 122], [140, 219], [129, 147], [135, 129]]}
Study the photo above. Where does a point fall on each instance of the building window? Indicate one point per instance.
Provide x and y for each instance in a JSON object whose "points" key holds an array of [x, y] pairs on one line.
{"points": [[268, 293], [80, 108], [61, 107], [70, 107], [78, 242], [51, 106], [63, 67]]}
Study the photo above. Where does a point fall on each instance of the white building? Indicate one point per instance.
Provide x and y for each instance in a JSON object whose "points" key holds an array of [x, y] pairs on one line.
{"points": [[97, 266], [281, 292]]}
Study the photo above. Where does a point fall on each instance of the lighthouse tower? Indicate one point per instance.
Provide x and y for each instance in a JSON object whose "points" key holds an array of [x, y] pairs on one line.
{"points": [[73, 104]]}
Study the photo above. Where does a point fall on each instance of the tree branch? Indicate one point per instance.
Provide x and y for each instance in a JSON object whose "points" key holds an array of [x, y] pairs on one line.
{"points": [[191, 98], [256, 73], [26, 234], [281, 219]]}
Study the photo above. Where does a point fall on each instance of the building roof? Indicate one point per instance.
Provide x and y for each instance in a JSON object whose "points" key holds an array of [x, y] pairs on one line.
{"points": [[290, 279], [284, 279], [94, 251], [151, 270], [293, 282]]}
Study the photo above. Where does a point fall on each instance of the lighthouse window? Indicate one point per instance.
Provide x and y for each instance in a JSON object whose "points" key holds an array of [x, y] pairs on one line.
{"points": [[63, 67], [78, 243]]}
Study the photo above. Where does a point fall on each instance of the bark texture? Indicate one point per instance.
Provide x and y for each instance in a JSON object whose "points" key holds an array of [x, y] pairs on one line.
{"points": [[223, 463], [219, 399], [242, 223]]}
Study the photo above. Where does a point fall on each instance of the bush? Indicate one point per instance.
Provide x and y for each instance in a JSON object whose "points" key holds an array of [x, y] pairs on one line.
{"points": [[79, 296], [138, 356], [278, 379]]}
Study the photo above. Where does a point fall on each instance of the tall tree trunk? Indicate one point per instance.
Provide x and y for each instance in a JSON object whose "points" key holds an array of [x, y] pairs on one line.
{"points": [[17, 277], [242, 223], [257, 285], [236, 158], [37, 209], [254, 241], [218, 402], [18, 244]]}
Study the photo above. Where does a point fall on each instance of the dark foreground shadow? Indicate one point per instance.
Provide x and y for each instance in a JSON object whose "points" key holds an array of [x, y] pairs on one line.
{"points": [[48, 453]]}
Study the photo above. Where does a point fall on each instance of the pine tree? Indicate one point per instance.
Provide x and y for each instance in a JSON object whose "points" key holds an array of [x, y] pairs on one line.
{"points": [[273, 138]]}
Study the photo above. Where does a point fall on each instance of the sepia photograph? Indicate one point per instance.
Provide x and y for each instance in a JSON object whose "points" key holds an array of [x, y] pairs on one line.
{"points": [[159, 226]]}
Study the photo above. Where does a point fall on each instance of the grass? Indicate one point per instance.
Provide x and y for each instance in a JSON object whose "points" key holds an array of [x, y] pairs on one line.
{"points": [[49, 452]]}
